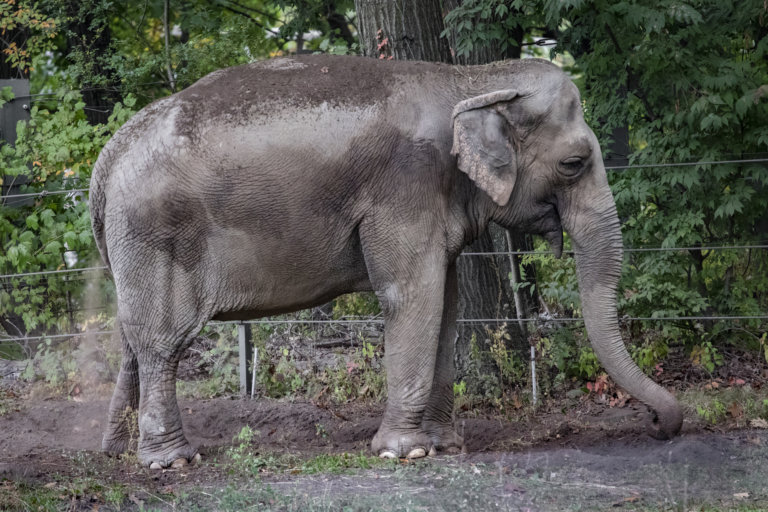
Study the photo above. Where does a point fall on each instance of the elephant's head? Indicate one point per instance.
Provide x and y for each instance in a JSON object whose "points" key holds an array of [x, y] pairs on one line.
{"points": [[530, 150]]}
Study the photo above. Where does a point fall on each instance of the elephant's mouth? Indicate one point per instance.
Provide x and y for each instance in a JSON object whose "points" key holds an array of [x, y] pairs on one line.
{"points": [[555, 240], [550, 227]]}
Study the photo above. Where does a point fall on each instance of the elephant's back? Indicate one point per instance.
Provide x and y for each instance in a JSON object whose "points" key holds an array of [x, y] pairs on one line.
{"points": [[260, 89]]}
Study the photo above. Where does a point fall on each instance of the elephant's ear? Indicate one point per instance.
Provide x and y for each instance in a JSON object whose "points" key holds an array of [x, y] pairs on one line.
{"points": [[483, 143]]}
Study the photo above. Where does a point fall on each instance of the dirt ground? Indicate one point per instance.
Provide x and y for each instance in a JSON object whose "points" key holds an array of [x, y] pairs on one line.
{"points": [[586, 458]]}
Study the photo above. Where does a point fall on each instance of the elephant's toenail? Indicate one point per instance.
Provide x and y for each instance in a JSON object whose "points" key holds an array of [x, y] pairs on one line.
{"points": [[179, 463], [432, 452], [387, 454], [417, 453], [155, 465]]}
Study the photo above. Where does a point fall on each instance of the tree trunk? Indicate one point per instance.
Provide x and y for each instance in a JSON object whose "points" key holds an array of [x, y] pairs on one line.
{"points": [[402, 30]]}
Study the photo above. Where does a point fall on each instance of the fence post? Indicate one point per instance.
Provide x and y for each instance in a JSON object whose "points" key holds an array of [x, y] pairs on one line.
{"points": [[246, 354], [10, 114]]}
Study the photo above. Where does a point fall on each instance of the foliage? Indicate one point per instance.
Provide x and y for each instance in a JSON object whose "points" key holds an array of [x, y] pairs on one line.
{"points": [[37, 31], [50, 232], [511, 368], [56, 364], [363, 377], [216, 357], [695, 76], [481, 23], [649, 353], [741, 405], [556, 281], [714, 413], [706, 355], [356, 305]]}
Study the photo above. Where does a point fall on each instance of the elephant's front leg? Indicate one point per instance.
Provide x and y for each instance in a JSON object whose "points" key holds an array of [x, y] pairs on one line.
{"points": [[413, 310], [438, 417]]}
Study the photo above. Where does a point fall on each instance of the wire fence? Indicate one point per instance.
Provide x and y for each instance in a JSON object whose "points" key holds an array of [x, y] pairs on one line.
{"points": [[380, 321], [463, 254], [44, 193], [6, 279]]}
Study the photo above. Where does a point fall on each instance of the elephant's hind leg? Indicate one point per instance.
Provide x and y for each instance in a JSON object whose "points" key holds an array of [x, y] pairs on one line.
{"points": [[122, 429], [161, 442], [159, 319]]}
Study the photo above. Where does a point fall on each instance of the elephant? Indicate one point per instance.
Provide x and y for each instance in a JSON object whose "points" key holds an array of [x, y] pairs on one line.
{"points": [[281, 184]]}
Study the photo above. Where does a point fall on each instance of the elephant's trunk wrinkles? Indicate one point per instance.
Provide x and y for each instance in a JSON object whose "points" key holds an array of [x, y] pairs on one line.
{"points": [[597, 243]]}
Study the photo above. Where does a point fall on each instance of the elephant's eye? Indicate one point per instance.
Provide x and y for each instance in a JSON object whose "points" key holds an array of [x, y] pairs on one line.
{"points": [[571, 166]]}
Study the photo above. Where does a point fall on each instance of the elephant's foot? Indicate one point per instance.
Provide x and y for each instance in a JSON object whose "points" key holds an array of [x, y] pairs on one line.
{"points": [[444, 438], [121, 434], [393, 444], [115, 444], [160, 455]]}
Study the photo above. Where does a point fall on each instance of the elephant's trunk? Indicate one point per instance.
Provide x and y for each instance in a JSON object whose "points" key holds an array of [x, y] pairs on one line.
{"points": [[596, 235]]}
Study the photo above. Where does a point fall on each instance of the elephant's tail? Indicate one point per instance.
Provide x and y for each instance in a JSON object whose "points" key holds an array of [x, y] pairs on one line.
{"points": [[97, 203]]}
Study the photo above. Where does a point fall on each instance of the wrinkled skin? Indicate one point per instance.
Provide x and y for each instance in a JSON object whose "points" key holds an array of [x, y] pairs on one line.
{"points": [[279, 185]]}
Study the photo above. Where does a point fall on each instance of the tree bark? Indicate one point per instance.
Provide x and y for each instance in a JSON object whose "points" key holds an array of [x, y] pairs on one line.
{"points": [[402, 30]]}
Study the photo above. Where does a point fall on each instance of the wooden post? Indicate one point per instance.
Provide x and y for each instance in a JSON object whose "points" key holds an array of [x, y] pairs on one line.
{"points": [[10, 114], [246, 355]]}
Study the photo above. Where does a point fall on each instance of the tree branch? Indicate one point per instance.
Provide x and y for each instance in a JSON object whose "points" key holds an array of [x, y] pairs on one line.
{"points": [[249, 17]]}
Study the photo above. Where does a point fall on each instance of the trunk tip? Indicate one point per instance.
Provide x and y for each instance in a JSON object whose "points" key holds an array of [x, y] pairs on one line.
{"points": [[666, 423]]}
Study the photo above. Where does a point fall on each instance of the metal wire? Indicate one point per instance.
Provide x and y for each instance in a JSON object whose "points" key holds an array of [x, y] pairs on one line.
{"points": [[381, 321], [490, 253], [628, 249], [55, 336], [44, 193], [48, 272], [610, 168], [683, 164]]}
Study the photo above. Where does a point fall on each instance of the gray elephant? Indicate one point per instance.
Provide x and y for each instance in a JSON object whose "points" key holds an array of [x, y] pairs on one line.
{"points": [[280, 185]]}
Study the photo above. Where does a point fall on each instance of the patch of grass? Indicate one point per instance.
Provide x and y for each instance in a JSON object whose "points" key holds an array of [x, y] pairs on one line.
{"points": [[739, 405], [341, 463], [61, 494], [245, 460]]}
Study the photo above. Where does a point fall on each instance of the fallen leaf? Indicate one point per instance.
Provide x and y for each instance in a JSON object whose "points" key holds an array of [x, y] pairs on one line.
{"points": [[628, 499], [50, 485], [741, 495], [758, 423], [735, 410]]}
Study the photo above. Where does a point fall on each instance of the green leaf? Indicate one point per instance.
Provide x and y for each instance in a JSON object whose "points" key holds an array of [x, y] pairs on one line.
{"points": [[31, 221], [53, 247]]}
